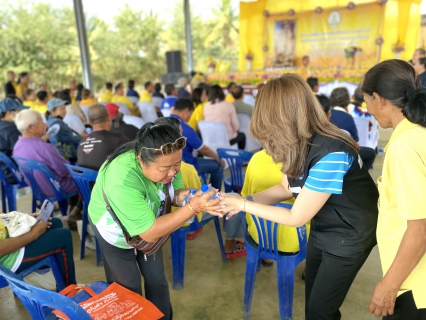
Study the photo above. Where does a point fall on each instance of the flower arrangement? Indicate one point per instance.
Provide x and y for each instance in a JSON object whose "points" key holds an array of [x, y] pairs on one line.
{"points": [[351, 51], [398, 47], [351, 6], [318, 10], [249, 56]]}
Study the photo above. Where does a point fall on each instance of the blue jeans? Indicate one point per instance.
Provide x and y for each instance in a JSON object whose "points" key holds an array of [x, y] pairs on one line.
{"points": [[213, 168]]}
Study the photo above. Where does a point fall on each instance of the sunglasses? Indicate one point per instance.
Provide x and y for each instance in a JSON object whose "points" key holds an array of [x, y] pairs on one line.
{"points": [[169, 147]]}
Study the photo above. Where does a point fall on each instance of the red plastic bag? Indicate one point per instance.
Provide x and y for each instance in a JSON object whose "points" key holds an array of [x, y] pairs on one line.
{"points": [[116, 303]]}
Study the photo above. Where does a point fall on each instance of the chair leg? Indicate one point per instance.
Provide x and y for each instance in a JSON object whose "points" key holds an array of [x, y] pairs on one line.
{"points": [[56, 272], [178, 241], [11, 198], [251, 272], [63, 206], [285, 278], [3, 198], [83, 231], [219, 238], [34, 204]]}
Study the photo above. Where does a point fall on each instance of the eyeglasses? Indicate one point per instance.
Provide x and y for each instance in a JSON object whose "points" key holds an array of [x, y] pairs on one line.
{"points": [[169, 147]]}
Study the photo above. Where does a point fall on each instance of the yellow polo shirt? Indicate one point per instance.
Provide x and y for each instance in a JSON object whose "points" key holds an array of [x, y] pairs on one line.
{"points": [[123, 99], [88, 102], [145, 97], [20, 89], [31, 104], [402, 197], [260, 166], [42, 108], [197, 115], [229, 98], [106, 96]]}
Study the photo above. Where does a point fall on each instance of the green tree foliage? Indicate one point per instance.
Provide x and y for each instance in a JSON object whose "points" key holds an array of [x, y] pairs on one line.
{"points": [[38, 38]]}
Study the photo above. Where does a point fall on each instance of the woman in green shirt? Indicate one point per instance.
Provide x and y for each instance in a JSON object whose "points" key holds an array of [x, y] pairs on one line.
{"points": [[133, 180]]}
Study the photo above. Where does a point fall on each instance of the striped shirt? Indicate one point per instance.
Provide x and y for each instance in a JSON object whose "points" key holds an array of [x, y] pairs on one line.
{"points": [[327, 174]]}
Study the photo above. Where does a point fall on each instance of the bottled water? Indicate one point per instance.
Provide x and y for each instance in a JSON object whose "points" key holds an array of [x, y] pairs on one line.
{"points": [[205, 188], [187, 199]]}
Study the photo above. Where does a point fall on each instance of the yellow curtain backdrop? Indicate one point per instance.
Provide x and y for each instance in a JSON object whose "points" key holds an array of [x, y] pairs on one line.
{"points": [[399, 16]]}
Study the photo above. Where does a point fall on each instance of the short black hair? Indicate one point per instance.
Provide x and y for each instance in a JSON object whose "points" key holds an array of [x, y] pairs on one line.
{"points": [[131, 84], [230, 85], [42, 95], [169, 88], [324, 102], [157, 87], [118, 86], [312, 82], [97, 113], [183, 103], [423, 61], [237, 92], [108, 85], [148, 83], [340, 97], [216, 93], [358, 95]]}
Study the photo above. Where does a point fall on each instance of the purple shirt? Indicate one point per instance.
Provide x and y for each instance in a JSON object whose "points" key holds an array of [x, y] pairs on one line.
{"points": [[39, 150]]}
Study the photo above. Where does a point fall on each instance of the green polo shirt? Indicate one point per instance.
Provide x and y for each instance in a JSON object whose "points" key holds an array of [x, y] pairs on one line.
{"points": [[135, 199]]}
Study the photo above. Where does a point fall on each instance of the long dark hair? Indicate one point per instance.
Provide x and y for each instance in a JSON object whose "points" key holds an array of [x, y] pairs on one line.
{"points": [[196, 96], [396, 81], [149, 136], [216, 94]]}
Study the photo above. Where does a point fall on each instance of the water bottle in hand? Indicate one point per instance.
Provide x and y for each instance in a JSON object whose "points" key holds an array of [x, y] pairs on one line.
{"points": [[205, 188], [187, 199]]}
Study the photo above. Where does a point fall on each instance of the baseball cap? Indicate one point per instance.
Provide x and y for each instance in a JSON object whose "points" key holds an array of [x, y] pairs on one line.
{"points": [[112, 109], [54, 103], [10, 104]]}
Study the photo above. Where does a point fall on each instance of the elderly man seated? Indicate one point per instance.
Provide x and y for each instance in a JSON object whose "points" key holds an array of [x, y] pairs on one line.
{"points": [[31, 146], [101, 142]]}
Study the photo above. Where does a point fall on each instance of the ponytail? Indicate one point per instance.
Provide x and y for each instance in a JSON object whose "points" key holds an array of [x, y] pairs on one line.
{"points": [[396, 81], [415, 107]]}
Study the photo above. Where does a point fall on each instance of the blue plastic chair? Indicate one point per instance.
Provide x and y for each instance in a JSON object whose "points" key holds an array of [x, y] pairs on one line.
{"points": [[50, 262], [83, 177], [286, 262], [8, 191], [178, 242], [235, 160], [29, 167], [40, 302]]}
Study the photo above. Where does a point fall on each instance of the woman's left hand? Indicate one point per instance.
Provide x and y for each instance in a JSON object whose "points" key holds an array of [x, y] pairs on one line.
{"points": [[231, 204], [182, 196], [36, 214], [383, 300]]}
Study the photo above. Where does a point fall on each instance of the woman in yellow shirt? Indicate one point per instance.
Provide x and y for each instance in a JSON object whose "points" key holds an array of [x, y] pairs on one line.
{"points": [[395, 97], [22, 85], [198, 97], [87, 99], [30, 99]]}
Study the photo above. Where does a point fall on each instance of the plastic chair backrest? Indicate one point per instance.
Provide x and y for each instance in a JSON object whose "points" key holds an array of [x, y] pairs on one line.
{"points": [[134, 121], [134, 99], [123, 108], [82, 178], [235, 160], [29, 167], [40, 302], [85, 111], [214, 134], [251, 144], [268, 234], [248, 98], [14, 169], [148, 112], [156, 101], [362, 127], [373, 135]]}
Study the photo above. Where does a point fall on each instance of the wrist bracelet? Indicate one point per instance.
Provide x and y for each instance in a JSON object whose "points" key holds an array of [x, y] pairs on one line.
{"points": [[191, 208]]}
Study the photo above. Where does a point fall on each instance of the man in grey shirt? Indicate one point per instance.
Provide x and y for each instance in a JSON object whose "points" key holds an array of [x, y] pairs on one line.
{"points": [[241, 107]]}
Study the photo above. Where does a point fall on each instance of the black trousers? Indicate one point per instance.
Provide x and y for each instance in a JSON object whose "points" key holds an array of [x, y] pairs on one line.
{"points": [[327, 281], [367, 155], [405, 308], [240, 139], [125, 268]]}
